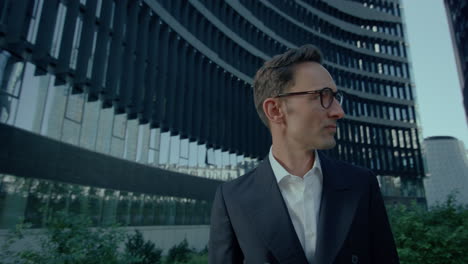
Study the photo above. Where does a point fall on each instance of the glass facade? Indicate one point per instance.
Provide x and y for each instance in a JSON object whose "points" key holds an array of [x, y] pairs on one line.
{"points": [[34, 200], [37, 104], [457, 19]]}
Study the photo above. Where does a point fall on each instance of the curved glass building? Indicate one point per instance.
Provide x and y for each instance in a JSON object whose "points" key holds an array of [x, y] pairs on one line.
{"points": [[139, 108]]}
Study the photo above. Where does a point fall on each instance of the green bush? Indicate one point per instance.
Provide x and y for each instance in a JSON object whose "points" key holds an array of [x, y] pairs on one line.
{"points": [[180, 253], [438, 235], [434, 236], [68, 239], [144, 252], [198, 259], [71, 239]]}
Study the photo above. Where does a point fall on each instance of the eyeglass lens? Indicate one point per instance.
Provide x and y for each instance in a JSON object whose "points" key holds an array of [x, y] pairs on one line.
{"points": [[326, 97]]}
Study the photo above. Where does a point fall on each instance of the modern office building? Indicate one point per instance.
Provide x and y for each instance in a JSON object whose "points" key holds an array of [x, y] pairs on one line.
{"points": [[457, 16], [447, 170], [138, 109]]}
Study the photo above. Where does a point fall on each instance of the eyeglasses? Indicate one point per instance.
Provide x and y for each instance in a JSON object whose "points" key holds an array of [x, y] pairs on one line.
{"points": [[326, 96]]}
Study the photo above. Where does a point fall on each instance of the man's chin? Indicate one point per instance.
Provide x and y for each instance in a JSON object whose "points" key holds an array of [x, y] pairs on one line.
{"points": [[327, 145]]}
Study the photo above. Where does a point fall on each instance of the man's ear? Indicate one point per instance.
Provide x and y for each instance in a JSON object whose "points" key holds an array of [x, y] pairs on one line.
{"points": [[273, 111]]}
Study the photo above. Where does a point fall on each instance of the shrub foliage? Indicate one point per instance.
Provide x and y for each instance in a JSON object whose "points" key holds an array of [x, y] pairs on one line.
{"points": [[438, 235]]}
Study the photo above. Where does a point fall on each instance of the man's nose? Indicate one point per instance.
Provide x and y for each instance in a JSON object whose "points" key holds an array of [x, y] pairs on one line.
{"points": [[335, 110]]}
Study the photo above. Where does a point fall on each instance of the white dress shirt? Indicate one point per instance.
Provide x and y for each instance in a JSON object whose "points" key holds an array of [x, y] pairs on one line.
{"points": [[302, 197]]}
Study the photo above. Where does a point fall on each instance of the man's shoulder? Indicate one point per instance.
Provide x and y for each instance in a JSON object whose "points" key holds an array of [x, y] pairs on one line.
{"points": [[347, 166], [342, 164], [241, 183], [346, 169]]}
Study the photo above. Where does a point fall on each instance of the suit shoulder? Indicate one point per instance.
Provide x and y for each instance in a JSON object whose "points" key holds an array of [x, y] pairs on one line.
{"points": [[342, 165], [240, 181], [351, 167], [239, 186], [353, 173]]}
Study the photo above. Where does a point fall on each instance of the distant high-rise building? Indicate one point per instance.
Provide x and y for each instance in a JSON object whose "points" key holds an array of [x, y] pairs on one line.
{"points": [[447, 169], [144, 107], [457, 16]]}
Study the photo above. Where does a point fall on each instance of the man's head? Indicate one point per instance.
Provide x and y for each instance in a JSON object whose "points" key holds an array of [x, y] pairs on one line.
{"points": [[304, 119]]}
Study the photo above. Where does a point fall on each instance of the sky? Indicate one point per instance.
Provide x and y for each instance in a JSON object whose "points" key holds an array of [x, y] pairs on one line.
{"points": [[438, 91]]}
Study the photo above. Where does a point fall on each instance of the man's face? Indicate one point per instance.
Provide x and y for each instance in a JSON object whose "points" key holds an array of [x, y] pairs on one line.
{"points": [[307, 123]]}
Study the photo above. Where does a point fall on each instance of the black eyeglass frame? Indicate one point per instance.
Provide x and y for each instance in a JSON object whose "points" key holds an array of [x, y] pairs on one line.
{"points": [[336, 95]]}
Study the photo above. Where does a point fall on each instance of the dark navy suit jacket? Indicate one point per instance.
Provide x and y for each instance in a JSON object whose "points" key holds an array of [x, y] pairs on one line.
{"points": [[250, 222]]}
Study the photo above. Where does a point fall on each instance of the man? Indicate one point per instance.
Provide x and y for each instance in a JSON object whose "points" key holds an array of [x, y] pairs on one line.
{"points": [[298, 205]]}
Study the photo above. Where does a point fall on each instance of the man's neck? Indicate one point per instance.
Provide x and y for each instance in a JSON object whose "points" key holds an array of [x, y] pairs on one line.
{"points": [[297, 162]]}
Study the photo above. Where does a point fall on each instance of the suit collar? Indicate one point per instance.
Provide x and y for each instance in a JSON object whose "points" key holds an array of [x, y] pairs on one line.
{"points": [[271, 218], [337, 209], [280, 172], [331, 168]]}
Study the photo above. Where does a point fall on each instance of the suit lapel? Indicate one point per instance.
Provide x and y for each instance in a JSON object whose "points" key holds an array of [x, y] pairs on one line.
{"points": [[337, 209], [271, 218]]}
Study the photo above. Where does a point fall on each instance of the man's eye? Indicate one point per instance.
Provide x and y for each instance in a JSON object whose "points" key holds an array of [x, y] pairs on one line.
{"points": [[314, 97]]}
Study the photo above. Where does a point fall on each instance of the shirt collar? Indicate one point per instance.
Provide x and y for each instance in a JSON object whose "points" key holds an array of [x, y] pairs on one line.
{"points": [[280, 172]]}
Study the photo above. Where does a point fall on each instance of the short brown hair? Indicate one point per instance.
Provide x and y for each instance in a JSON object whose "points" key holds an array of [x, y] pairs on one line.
{"points": [[277, 74]]}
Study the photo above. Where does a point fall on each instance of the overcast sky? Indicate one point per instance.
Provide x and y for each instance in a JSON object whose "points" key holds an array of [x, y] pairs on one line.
{"points": [[439, 96]]}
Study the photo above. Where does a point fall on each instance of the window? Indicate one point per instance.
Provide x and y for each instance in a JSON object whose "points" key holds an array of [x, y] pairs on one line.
{"points": [[403, 114], [98, 8], [411, 114], [34, 23], [388, 90], [153, 153], [75, 107], [58, 30], [397, 114], [379, 68], [401, 138], [112, 14], [76, 42]]}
